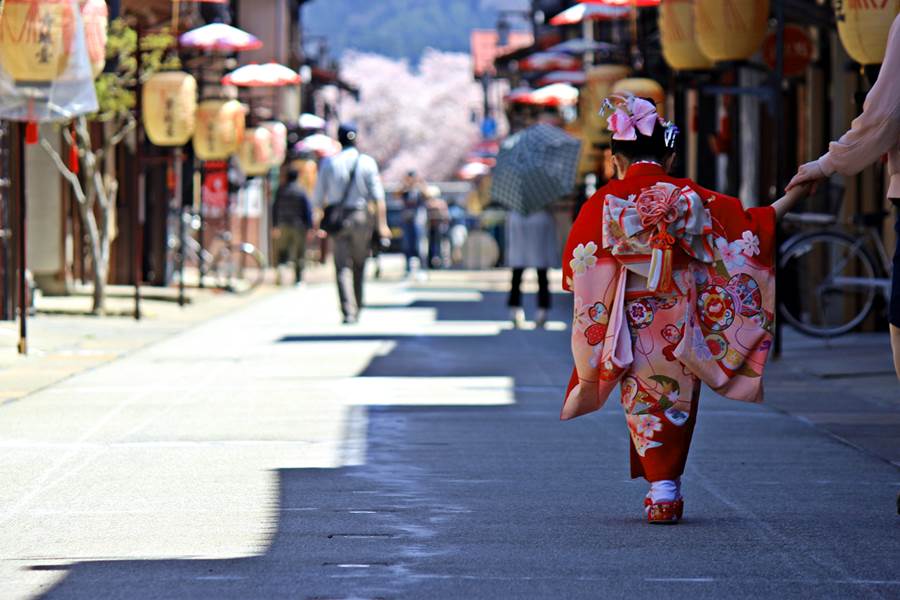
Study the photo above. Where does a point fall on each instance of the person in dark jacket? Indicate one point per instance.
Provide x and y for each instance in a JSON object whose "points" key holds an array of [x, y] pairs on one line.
{"points": [[292, 217]]}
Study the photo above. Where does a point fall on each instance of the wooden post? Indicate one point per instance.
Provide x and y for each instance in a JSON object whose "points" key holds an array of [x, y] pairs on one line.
{"points": [[23, 262]]}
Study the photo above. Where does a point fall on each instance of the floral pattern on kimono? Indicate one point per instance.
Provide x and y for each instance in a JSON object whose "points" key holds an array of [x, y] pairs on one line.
{"points": [[714, 325]]}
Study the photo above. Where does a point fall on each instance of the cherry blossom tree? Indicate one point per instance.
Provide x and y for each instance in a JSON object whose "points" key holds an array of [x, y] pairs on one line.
{"points": [[424, 119]]}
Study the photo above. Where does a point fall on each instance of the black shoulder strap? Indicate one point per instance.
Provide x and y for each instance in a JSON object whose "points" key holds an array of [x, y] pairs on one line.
{"points": [[350, 181]]}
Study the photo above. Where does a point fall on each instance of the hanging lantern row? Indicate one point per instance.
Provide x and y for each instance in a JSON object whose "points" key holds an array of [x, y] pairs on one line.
{"points": [[173, 117], [698, 33]]}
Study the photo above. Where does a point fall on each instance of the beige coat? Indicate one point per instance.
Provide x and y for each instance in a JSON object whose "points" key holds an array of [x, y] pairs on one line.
{"points": [[877, 130]]}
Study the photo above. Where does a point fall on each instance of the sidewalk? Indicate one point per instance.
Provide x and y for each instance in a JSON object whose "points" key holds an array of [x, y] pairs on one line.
{"points": [[846, 387], [64, 339]]}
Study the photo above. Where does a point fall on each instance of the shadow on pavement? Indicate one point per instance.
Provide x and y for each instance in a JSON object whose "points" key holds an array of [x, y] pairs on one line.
{"points": [[368, 531]]}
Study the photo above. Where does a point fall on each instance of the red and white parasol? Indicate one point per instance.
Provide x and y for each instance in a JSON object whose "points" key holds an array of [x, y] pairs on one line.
{"points": [[521, 95], [556, 94], [570, 77], [550, 61], [590, 11], [219, 37], [319, 143], [472, 170], [267, 75]]}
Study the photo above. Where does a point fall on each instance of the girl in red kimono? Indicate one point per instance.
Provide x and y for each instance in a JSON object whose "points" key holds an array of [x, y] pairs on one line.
{"points": [[674, 285]]}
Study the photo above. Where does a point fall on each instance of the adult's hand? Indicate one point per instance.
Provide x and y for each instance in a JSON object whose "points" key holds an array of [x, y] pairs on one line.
{"points": [[808, 174], [384, 231]]}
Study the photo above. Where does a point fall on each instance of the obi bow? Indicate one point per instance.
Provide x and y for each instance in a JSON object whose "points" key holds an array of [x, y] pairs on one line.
{"points": [[644, 229]]}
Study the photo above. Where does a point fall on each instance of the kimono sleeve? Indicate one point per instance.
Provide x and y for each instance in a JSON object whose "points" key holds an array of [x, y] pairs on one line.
{"points": [[595, 277], [730, 333]]}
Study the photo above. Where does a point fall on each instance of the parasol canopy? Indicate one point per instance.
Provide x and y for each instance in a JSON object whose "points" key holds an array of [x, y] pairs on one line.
{"points": [[589, 11], [581, 45], [220, 37], [519, 95], [267, 75], [555, 94], [570, 77], [311, 121], [549, 61], [473, 170], [535, 167], [319, 143]]}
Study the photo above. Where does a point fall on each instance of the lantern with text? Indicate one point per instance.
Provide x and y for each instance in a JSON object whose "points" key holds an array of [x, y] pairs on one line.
{"points": [[279, 141], [169, 107], [679, 42], [864, 26], [730, 29], [220, 128], [643, 88], [255, 154], [36, 40], [95, 16]]}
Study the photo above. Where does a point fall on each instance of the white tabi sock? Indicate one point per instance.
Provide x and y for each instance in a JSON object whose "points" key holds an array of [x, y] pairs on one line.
{"points": [[663, 491]]}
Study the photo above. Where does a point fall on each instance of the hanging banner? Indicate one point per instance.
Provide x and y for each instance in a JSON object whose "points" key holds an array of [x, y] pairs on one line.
{"points": [[45, 68]]}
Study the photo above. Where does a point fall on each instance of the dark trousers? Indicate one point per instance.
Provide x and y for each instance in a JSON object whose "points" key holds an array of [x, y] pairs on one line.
{"points": [[351, 249], [515, 292]]}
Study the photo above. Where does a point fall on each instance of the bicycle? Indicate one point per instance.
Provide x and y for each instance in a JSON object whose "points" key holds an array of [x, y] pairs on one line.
{"points": [[832, 273], [236, 268]]}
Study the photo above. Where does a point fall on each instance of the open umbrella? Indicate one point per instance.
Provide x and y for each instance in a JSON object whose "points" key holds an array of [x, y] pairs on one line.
{"points": [[473, 170], [319, 143], [534, 168], [311, 121], [570, 77], [519, 95], [219, 37], [268, 75], [581, 45], [549, 61], [555, 94], [589, 11]]}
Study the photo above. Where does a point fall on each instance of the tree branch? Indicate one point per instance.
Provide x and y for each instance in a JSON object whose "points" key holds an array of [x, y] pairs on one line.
{"points": [[116, 139], [66, 172]]}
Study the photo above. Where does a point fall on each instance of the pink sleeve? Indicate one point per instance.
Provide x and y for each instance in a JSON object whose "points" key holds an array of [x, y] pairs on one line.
{"points": [[877, 129]]}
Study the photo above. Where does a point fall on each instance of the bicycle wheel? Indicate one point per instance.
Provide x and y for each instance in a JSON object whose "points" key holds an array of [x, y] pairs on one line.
{"points": [[240, 270], [826, 283]]}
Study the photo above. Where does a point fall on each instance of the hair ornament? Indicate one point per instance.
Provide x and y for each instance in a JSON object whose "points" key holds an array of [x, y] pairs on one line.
{"points": [[632, 114]]}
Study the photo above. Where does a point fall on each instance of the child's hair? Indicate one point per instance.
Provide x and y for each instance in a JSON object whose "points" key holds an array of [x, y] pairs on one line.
{"points": [[651, 147], [658, 146]]}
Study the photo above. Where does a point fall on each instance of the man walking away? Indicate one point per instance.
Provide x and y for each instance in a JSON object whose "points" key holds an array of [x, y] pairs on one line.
{"points": [[350, 180], [292, 217]]}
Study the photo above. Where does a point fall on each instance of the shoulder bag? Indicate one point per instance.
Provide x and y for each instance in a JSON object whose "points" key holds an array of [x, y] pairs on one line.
{"points": [[334, 215]]}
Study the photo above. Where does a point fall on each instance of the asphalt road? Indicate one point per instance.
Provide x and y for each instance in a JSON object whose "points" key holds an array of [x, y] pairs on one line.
{"points": [[272, 453]]}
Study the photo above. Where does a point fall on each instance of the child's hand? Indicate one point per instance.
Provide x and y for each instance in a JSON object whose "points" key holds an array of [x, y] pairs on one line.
{"points": [[784, 204]]}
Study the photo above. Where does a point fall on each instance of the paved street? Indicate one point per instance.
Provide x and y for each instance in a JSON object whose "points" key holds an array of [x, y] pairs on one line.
{"points": [[271, 453]]}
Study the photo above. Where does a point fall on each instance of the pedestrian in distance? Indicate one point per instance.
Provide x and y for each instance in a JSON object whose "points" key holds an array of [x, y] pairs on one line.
{"points": [[872, 134], [292, 219], [674, 286], [351, 194], [438, 223], [413, 217], [531, 243]]}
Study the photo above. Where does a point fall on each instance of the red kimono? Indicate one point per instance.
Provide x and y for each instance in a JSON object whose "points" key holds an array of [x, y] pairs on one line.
{"points": [[658, 331]]}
